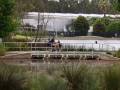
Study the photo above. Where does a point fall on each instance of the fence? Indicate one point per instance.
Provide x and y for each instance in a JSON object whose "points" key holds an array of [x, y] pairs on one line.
{"points": [[41, 46]]}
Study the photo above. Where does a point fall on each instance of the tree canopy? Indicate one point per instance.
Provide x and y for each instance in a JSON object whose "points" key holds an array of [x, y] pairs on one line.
{"points": [[64, 6], [81, 25], [7, 20]]}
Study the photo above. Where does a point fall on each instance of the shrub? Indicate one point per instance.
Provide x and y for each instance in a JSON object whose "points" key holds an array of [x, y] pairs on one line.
{"points": [[81, 25], [106, 20], [92, 20], [117, 54], [17, 46], [2, 50], [99, 26], [12, 78], [21, 38], [114, 27]]}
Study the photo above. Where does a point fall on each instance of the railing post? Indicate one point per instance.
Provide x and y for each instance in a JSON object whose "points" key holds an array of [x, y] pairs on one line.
{"points": [[20, 46], [99, 47], [92, 51]]}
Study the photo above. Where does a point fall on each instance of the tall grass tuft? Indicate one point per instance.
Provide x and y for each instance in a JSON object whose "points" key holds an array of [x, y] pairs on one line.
{"points": [[79, 77], [47, 82], [111, 78], [12, 78]]}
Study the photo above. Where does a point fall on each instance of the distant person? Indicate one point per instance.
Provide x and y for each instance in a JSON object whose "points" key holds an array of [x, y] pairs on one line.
{"points": [[59, 44], [96, 42], [49, 43]]}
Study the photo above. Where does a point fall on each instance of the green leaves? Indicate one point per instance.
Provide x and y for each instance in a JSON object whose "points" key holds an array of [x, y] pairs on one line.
{"points": [[114, 27], [7, 25], [6, 7], [81, 25], [116, 4], [7, 21]]}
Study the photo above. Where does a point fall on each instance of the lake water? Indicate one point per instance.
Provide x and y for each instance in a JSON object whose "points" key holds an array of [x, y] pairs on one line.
{"points": [[96, 44], [57, 21]]}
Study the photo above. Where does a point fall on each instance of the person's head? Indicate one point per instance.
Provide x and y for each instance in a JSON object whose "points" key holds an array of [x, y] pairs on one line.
{"points": [[52, 40], [48, 39], [58, 41]]}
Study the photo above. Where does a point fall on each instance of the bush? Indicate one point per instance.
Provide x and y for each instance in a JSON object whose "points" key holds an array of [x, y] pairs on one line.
{"points": [[117, 54], [92, 20], [12, 78], [81, 25], [21, 38], [2, 50], [114, 27], [99, 26]]}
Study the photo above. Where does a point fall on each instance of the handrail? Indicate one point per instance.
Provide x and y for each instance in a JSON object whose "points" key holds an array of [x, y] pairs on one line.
{"points": [[67, 46]]}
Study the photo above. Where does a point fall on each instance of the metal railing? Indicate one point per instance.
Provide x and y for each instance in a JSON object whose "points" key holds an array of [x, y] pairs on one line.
{"points": [[41, 46]]}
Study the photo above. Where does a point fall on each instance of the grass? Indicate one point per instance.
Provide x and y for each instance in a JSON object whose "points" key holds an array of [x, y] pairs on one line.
{"points": [[66, 77], [117, 54], [111, 78], [46, 82], [2, 50], [79, 77], [12, 78]]}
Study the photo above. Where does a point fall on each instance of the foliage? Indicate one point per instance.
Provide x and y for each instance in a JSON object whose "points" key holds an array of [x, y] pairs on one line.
{"points": [[7, 22], [79, 77], [21, 38], [45, 82], [17, 46], [106, 20], [92, 20], [99, 26], [116, 4], [13, 78], [117, 54], [114, 27], [111, 80], [2, 50], [68, 77], [81, 25], [104, 5]]}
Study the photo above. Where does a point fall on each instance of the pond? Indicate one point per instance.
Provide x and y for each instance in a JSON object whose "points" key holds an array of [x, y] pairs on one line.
{"points": [[96, 44]]}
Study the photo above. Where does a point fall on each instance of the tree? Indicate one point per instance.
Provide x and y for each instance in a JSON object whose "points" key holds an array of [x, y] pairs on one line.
{"points": [[114, 27], [81, 25], [104, 6], [116, 4], [53, 6], [7, 21]]}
